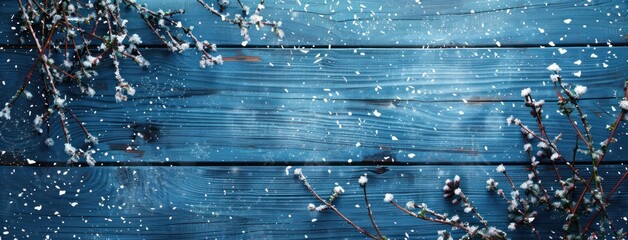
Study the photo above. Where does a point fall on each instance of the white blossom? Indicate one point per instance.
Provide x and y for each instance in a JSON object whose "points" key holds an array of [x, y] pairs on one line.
{"points": [[512, 226], [555, 156], [579, 90], [410, 205], [554, 67], [91, 139], [526, 92], [6, 113], [510, 120], [135, 39], [388, 197], [59, 101], [90, 92], [624, 105], [555, 77], [321, 208], [90, 61], [527, 147], [542, 145], [256, 18], [468, 209], [339, 190], [49, 142], [501, 168], [363, 180], [457, 191], [311, 207], [89, 159], [69, 149]]}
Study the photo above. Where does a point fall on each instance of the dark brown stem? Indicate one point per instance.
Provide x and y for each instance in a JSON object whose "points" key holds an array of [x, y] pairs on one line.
{"points": [[368, 207], [307, 185], [586, 228]]}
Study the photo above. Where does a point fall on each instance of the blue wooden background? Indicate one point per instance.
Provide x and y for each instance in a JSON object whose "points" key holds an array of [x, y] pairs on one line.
{"points": [[443, 74]]}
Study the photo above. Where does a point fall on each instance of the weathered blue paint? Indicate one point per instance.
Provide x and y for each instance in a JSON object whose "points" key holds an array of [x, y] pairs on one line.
{"points": [[299, 111], [398, 23], [247, 202], [310, 99]]}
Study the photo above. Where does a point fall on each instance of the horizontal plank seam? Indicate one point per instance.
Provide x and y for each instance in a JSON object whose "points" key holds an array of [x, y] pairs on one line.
{"points": [[289, 163], [348, 46]]}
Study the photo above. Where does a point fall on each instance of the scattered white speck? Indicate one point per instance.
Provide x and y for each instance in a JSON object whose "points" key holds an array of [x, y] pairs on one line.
{"points": [[61, 192], [314, 219], [578, 62], [73, 204], [288, 170], [377, 114], [593, 55], [567, 21], [461, 112], [357, 72], [394, 138], [562, 50], [38, 208], [498, 43], [358, 144], [541, 30], [578, 73], [551, 43], [411, 155], [31, 161]]}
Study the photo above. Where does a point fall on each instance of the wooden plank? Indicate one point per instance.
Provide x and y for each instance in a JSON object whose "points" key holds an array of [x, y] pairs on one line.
{"points": [[251, 202], [307, 132], [424, 75], [398, 23], [241, 112]]}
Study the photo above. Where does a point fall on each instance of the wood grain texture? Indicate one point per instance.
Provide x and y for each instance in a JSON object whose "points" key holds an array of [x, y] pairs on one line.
{"points": [[398, 23], [242, 202], [299, 111]]}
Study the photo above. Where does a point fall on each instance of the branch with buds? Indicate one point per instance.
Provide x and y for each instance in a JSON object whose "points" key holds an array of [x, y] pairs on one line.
{"points": [[73, 37], [536, 194]]}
